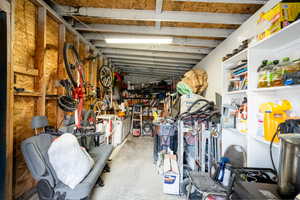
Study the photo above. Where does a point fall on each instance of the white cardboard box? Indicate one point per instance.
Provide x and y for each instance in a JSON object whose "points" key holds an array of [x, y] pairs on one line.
{"points": [[171, 175], [187, 100]]}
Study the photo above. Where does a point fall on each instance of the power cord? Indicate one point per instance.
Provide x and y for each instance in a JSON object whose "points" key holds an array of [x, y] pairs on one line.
{"points": [[271, 149], [289, 126]]}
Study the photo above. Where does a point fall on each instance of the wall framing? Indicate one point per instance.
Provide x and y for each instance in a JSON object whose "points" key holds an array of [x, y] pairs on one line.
{"points": [[37, 101]]}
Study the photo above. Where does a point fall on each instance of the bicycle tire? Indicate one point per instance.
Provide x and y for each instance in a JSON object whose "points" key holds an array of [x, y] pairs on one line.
{"points": [[194, 195], [105, 76], [68, 66]]}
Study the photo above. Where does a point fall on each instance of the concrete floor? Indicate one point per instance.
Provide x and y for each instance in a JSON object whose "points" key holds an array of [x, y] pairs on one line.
{"points": [[133, 175]]}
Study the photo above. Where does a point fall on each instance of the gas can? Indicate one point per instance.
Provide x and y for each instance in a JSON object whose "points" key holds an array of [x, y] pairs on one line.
{"points": [[274, 114]]}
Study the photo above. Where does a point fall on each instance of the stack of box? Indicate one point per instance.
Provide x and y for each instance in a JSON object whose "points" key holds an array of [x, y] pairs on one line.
{"points": [[171, 175], [278, 17]]}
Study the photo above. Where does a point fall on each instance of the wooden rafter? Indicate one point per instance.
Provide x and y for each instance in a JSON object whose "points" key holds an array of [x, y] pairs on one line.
{"points": [[149, 15]]}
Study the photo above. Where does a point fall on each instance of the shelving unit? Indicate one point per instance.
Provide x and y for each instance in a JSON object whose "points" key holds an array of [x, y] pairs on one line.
{"points": [[229, 63], [277, 89], [29, 94], [237, 92], [285, 43]]}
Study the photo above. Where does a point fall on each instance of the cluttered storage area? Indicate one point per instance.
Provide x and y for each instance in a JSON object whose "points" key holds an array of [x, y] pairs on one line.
{"points": [[150, 99]]}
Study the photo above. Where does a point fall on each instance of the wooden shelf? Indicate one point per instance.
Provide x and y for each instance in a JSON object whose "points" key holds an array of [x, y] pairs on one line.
{"points": [[282, 38], [263, 141], [29, 72], [237, 92], [137, 98], [52, 97], [235, 131], [28, 94], [231, 62]]}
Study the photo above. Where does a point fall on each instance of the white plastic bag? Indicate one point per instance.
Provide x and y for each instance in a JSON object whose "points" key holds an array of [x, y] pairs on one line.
{"points": [[70, 161]]}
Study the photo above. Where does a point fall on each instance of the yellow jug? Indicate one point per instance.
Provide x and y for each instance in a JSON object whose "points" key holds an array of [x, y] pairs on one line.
{"points": [[274, 114]]}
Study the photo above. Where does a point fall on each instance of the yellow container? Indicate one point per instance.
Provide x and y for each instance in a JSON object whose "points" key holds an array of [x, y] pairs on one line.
{"points": [[274, 114], [278, 17], [282, 12]]}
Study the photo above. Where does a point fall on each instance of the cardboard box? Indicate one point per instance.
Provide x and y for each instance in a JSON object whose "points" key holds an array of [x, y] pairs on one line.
{"points": [[187, 100], [171, 175], [278, 17], [273, 29], [282, 13]]}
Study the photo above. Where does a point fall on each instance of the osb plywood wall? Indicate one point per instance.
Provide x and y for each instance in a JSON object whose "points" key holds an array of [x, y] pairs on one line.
{"points": [[25, 41], [25, 106], [51, 66]]}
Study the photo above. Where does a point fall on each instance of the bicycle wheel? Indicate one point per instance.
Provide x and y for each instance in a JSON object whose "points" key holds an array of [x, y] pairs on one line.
{"points": [[194, 195], [98, 107], [105, 76], [72, 62]]}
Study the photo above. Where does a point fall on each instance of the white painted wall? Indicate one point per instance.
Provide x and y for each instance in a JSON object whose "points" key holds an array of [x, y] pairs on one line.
{"points": [[212, 63]]}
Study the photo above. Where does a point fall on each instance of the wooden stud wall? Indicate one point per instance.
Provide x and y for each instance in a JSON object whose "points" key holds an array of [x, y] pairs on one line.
{"points": [[37, 63], [24, 45], [5, 6]]}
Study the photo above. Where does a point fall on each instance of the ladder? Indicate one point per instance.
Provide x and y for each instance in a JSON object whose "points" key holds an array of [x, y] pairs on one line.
{"points": [[137, 120]]}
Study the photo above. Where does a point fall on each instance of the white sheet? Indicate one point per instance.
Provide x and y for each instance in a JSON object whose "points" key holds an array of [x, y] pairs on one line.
{"points": [[70, 161]]}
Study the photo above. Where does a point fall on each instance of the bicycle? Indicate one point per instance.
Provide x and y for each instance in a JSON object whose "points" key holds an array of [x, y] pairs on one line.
{"points": [[73, 100]]}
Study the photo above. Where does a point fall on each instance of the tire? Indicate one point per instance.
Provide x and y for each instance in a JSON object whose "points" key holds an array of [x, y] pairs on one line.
{"points": [[69, 66], [194, 195], [103, 72], [186, 170]]}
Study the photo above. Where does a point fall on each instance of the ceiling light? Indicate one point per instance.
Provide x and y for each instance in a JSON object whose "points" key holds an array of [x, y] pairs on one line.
{"points": [[139, 40]]}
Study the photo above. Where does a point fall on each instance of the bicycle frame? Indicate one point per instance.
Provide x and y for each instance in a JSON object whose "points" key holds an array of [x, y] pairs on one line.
{"points": [[78, 94]]}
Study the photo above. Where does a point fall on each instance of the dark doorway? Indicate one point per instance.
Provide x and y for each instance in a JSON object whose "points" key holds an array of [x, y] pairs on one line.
{"points": [[3, 99]]}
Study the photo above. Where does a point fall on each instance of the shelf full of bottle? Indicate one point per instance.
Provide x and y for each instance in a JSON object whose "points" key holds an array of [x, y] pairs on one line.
{"points": [[278, 74]]}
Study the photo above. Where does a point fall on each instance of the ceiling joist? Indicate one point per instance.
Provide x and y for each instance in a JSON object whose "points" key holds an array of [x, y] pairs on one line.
{"points": [[176, 40], [158, 10], [152, 54], [228, 1], [153, 15], [149, 30], [154, 47], [158, 60], [153, 72], [182, 66], [138, 66]]}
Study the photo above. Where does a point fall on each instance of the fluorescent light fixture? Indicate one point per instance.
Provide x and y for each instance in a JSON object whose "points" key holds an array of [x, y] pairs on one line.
{"points": [[139, 40]]}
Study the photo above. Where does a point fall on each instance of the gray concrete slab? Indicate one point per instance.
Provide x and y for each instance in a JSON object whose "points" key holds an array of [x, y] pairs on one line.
{"points": [[133, 175]]}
